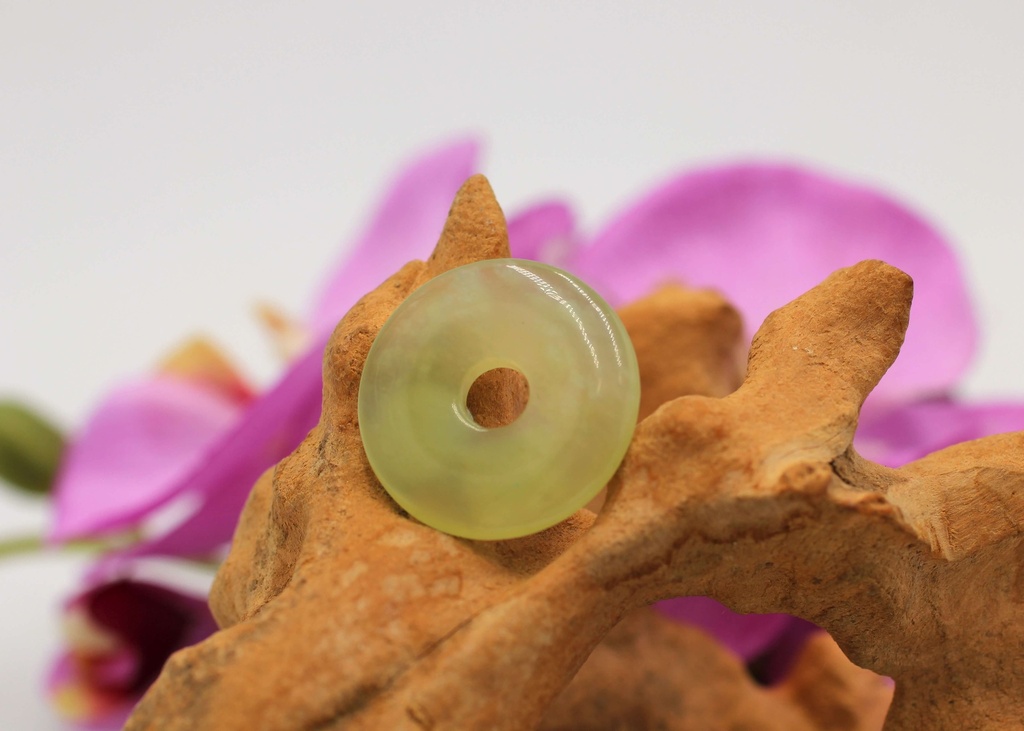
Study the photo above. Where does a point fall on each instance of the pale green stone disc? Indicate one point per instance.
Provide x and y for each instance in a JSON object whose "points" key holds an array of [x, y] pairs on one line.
{"points": [[423, 443]]}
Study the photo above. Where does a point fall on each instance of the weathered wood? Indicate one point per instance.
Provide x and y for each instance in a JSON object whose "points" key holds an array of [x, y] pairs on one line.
{"points": [[339, 611]]}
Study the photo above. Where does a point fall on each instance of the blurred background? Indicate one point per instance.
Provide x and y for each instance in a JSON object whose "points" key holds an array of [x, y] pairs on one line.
{"points": [[166, 166]]}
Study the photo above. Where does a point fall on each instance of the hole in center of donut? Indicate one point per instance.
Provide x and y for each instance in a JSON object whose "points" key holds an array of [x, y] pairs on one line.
{"points": [[498, 397]]}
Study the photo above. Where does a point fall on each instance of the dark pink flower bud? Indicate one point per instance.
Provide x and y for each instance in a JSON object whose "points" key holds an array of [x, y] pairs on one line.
{"points": [[119, 635]]}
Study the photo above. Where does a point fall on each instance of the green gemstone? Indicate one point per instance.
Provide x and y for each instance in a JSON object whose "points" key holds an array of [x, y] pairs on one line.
{"points": [[423, 443]]}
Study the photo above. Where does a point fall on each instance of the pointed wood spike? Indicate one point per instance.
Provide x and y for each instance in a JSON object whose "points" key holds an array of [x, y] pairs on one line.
{"points": [[823, 353], [475, 229]]}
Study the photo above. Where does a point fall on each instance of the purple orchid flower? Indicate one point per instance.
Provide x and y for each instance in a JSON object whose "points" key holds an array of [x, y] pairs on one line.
{"points": [[760, 233], [763, 234], [118, 636], [407, 223], [161, 438], [146, 437], [202, 434]]}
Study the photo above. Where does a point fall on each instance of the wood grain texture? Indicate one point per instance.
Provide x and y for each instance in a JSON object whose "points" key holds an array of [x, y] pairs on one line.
{"points": [[340, 612]]}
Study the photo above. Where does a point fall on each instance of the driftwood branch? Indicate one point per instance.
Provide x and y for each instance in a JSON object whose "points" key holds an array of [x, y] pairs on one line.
{"points": [[340, 611]]}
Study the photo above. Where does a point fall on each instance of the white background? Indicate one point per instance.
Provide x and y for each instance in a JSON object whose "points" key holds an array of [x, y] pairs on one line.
{"points": [[164, 166]]}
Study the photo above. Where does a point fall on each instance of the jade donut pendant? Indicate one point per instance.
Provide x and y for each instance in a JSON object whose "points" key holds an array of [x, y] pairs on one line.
{"points": [[584, 395]]}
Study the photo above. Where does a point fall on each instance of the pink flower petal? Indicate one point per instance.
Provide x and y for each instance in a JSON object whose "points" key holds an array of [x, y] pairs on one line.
{"points": [[406, 226], [544, 232], [768, 643], [97, 686], [151, 622], [763, 234], [747, 635], [82, 705], [273, 426], [132, 454], [900, 434], [773, 665]]}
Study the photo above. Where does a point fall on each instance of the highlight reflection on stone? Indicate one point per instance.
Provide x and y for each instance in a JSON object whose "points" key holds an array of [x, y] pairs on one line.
{"points": [[339, 612]]}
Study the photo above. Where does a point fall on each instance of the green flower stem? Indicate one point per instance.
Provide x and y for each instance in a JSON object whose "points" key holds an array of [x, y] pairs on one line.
{"points": [[29, 544], [19, 545]]}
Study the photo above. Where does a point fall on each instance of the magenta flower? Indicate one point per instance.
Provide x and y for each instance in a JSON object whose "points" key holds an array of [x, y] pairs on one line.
{"points": [[405, 226], [763, 234], [197, 432], [145, 438], [760, 233], [118, 636], [162, 438]]}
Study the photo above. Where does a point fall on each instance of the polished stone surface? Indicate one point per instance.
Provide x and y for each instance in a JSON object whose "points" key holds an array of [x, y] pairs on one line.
{"points": [[422, 441]]}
